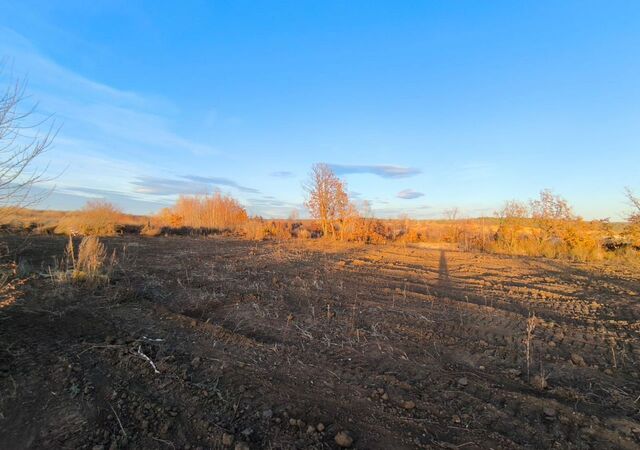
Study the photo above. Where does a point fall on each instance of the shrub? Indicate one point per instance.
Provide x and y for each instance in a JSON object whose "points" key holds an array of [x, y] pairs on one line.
{"points": [[98, 218], [511, 229], [89, 265], [204, 211], [583, 240], [150, 230], [254, 229]]}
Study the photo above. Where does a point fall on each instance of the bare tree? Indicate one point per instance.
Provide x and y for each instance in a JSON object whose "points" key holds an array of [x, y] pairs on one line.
{"points": [[327, 198], [452, 213], [23, 138], [635, 202], [551, 207], [551, 212], [632, 230]]}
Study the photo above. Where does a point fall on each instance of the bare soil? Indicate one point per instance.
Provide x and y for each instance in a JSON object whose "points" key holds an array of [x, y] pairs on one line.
{"points": [[292, 345]]}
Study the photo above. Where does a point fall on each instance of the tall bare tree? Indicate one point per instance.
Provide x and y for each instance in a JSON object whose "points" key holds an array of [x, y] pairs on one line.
{"points": [[635, 202], [327, 198], [23, 138], [551, 212], [632, 230]]}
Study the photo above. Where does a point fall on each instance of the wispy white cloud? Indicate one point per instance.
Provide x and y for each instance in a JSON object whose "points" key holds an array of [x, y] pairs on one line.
{"points": [[109, 136], [221, 181], [186, 184], [384, 171], [25, 59], [409, 194], [282, 174]]}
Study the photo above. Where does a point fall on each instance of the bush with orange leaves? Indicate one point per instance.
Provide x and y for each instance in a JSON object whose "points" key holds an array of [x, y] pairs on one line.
{"points": [[217, 211], [548, 227], [97, 218]]}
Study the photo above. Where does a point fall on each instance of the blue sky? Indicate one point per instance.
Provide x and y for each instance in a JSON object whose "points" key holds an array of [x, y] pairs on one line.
{"points": [[420, 106]]}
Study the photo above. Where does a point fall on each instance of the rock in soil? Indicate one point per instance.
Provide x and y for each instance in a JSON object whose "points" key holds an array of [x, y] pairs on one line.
{"points": [[227, 439], [578, 360], [539, 382], [344, 439], [408, 405]]}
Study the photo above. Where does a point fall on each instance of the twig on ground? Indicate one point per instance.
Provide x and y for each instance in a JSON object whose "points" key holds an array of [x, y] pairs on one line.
{"points": [[118, 419], [145, 357], [100, 346], [163, 441]]}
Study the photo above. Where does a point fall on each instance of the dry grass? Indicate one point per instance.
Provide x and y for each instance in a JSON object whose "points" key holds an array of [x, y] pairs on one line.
{"points": [[97, 218], [203, 211], [89, 264], [543, 227]]}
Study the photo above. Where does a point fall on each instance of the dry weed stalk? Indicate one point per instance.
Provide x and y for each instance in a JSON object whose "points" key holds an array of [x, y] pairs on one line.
{"points": [[353, 313], [532, 321], [90, 264], [612, 345]]}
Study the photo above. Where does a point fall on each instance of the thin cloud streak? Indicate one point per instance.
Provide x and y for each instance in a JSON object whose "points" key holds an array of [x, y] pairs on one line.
{"points": [[384, 171], [219, 181], [127, 120], [409, 194], [282, 174], [187, 184]]}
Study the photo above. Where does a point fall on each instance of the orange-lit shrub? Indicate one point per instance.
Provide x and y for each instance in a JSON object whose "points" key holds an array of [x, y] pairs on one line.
{"points": [[97, 217], [204, 211]]}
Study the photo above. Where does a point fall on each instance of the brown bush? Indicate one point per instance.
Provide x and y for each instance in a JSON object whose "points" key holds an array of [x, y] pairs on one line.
{"points": [[548, 228], [97, 217], [512, 228], [89, 264], [151, 230], [583, 240], [204, 211], [254, 229]]}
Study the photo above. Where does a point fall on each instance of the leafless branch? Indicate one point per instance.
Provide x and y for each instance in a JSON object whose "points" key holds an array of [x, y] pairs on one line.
{"points": [[23, 138]]}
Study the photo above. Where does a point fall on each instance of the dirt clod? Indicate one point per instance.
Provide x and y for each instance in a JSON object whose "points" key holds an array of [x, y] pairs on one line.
{"points": [[539, 382], [408, 404], [343, 439], [227, 439], [578, 360]]}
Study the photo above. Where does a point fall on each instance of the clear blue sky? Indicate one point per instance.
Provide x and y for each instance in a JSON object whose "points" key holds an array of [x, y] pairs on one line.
{"points": [[420, 106]]}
